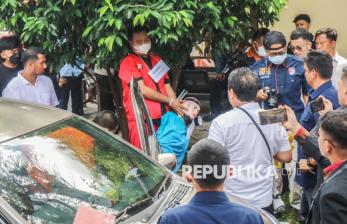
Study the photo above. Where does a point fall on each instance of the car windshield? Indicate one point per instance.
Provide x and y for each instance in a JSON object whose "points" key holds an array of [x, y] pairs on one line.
{"points": [[70, 170]]}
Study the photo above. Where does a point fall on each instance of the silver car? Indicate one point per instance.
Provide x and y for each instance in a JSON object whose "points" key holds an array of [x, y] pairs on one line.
{"points": [[57, 167]]}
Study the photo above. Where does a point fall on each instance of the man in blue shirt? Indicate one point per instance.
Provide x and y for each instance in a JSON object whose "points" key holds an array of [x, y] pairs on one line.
{"points": [[281, 76], [318, 71], [210, 204]]}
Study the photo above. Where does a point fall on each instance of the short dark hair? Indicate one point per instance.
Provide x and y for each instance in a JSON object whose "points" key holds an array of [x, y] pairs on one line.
{"points": [[107, 119], [208, 152], [244, 82], [300, 33], [344, 74], [9, 43], [260, 33], [321, 62], [302, 17], [137, 29], [31, 53], [274, 37], [334, 124], [329, 32]]}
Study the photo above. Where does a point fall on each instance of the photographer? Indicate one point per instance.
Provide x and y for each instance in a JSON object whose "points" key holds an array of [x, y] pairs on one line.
{"points": [[281, 76], [248, 146]]}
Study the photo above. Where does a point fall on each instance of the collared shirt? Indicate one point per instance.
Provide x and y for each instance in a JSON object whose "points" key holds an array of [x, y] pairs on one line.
{"points": [[248, 150], [210, 207], [339, 63], [309, 119], [71, 71], [330, 169], [42, 92], [288, 79]]}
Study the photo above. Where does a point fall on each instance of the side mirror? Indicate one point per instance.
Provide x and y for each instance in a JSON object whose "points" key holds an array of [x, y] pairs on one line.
{"points": [[168, 160]]}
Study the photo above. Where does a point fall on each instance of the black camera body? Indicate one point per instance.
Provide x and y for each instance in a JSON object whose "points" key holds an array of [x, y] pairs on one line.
{"points": [[272, 97]]}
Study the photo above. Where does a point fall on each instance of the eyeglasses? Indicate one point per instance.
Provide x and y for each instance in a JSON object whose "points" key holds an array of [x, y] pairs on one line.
{"points": [[298, 48]]}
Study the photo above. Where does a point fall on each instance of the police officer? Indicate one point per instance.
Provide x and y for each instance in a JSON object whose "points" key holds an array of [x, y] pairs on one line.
{"points": [[281, 76]]}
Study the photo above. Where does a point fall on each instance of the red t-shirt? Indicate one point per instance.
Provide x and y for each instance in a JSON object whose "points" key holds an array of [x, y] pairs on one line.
{"points": [[133, 66]]}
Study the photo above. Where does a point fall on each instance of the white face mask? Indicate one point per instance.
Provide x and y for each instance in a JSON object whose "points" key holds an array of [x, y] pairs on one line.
{"points": [[261, 51], [278, 59], [143, 49]]}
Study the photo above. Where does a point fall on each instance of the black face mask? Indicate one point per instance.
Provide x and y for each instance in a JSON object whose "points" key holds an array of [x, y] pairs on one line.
{"points": [[187, 120], [15, 59]]}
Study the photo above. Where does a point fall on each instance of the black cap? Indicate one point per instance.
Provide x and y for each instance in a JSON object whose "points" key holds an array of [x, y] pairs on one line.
{"points": [[274, 37]]}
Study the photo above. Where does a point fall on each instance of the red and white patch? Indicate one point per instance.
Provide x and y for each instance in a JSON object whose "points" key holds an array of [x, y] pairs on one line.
{"points": [[291, 70], [139, 66]]}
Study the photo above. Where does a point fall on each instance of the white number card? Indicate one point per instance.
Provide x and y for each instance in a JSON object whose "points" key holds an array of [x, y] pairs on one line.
{"points": [[158, 71]]}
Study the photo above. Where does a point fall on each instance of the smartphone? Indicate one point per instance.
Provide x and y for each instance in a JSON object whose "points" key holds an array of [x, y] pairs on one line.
{"points": [[276, 115], [317, 105]]}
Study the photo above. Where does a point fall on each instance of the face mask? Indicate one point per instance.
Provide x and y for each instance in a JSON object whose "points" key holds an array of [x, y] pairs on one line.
{"points": [[143, 49], [278, 59], [15, 59], [261, 52], [187, 120]]}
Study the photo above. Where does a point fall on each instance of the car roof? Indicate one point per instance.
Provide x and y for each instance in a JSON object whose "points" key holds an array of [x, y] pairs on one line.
{"points": [[18, 118]]}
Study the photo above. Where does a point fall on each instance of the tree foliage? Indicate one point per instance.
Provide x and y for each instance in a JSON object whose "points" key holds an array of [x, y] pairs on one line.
{"points": [[96, 30]]}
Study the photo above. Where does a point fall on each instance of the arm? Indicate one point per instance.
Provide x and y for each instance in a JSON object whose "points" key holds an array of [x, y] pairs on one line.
{"points": [[159, 97], [170, 91], [284, 156]]}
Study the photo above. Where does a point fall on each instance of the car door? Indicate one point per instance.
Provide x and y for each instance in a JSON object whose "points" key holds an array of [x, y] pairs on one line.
{"points": [[148, 139]]}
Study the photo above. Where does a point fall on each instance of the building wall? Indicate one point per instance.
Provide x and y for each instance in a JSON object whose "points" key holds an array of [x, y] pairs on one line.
{"points": [[323, 13]]}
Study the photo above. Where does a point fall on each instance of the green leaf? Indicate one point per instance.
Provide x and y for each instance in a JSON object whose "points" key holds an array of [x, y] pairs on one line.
{"points": [[87, 31], [118, 24], [139, 18], [109, 42], [119, 41], [103, 10]]}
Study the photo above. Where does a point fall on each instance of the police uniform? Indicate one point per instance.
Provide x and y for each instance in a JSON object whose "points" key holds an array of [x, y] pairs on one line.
{"points": [[288, 79], [134, 66]]}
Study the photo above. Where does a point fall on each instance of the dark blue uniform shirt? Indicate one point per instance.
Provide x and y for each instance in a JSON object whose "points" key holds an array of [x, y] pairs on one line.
{"points": [[210, 207], [288, 79], [309, 120]]}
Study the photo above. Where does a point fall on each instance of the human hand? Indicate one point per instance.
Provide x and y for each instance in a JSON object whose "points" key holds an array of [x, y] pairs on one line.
{"points": [[177, 105], [292, 123], [62, 82], [328, 106], [261, 95]]}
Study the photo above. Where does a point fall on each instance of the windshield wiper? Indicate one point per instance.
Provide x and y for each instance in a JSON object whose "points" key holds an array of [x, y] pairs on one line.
{"points": [[125, 211]]}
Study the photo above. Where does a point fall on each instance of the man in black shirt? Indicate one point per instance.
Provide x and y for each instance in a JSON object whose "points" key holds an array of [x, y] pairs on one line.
{"points": [[10, 60]]}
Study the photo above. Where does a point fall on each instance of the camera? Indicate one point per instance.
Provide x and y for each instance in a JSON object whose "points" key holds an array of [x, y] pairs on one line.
{"points": [[272, 96]]}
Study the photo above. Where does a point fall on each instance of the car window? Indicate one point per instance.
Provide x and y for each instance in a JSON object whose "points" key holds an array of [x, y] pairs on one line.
{"points": [[50, 174]]}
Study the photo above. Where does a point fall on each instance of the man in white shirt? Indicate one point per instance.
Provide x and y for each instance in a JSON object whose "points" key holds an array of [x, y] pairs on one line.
{"points": [[247, 148], [325, 39], [30, 84]]}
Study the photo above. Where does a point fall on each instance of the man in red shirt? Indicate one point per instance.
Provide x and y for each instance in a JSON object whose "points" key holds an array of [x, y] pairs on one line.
{"points": [[156, 89]]}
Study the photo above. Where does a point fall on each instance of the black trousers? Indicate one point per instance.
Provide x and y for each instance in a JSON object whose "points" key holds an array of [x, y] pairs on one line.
{"points": [[73, 86]]}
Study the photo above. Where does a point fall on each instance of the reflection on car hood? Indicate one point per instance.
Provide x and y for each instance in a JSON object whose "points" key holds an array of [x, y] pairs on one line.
{"points": [[18, 118]]}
